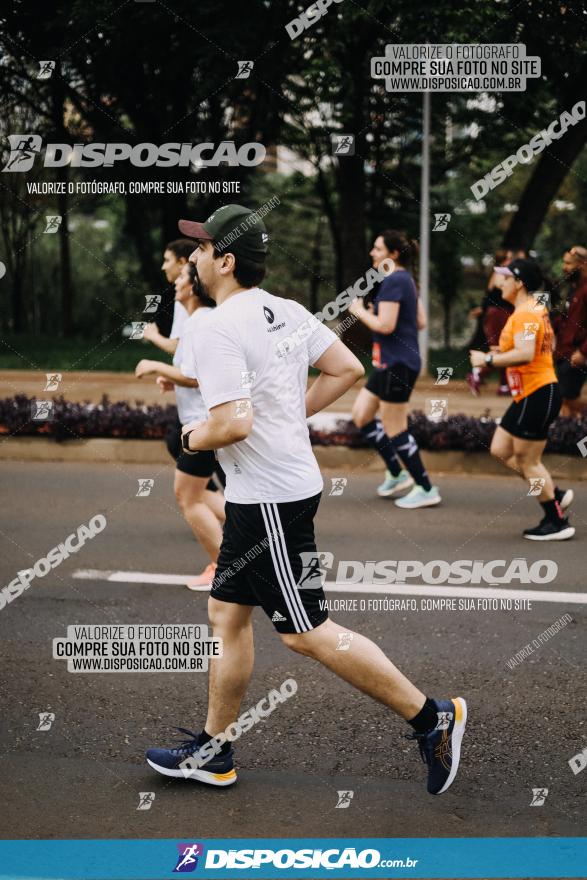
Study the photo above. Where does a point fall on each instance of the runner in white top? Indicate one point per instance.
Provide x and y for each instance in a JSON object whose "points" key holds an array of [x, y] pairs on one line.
{"points": [[252, 363], [202, 508], [238, 356]]}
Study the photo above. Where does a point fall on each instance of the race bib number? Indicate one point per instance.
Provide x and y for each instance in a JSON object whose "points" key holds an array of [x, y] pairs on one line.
{"points": [[515, 382]]}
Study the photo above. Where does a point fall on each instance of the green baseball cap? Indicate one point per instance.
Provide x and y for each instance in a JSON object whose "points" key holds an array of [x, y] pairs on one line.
{"points": [[234, 229]]}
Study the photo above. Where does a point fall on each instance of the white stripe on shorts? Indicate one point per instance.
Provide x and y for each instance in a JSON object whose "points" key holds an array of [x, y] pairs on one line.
{"points": [[276, 545]]}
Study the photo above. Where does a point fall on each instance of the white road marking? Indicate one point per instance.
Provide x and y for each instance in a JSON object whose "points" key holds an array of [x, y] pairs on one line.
{"points": [[464, 592]]}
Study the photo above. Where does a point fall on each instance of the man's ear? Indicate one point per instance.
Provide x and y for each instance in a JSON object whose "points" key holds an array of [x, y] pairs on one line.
{"points": [[228, 263]]}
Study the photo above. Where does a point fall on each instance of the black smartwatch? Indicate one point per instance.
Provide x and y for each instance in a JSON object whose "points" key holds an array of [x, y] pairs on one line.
{"points": [[185, 439], [489, 359]]}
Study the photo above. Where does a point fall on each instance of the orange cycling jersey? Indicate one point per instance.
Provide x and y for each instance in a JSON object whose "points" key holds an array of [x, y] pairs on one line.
{"points": [[524, 379]]}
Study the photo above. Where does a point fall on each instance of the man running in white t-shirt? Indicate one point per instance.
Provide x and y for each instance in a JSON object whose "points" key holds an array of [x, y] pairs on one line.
{"points": [[252, 371]]}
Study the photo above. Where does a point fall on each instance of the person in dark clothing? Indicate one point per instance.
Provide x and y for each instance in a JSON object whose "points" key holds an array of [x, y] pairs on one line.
{"points": [[492, 316], [571, 334]]}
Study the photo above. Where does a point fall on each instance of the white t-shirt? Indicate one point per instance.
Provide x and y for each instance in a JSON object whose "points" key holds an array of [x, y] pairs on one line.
{"points": [[190, 404], [180, 316], [237, 356]]}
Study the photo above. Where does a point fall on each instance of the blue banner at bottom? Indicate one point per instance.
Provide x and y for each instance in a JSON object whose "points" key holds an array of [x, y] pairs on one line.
{"points": [[227, 859]]}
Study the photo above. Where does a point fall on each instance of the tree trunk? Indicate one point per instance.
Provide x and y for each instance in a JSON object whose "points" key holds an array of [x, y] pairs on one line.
{"points": [[351, 221], [65, 257], [549, 173]]}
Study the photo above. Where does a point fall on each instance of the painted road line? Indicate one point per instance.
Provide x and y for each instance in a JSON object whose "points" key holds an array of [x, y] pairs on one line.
{"points": [[474, 592]]}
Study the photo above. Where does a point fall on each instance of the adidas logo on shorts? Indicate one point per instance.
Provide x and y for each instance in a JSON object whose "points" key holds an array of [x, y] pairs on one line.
{"points": [[277, 617]]}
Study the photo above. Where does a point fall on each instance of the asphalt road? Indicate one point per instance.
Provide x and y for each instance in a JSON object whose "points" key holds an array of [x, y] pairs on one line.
{"points": [[82, 777]]}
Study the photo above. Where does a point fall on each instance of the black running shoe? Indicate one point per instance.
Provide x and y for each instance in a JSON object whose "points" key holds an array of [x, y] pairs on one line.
{"points": [[549, 530]]}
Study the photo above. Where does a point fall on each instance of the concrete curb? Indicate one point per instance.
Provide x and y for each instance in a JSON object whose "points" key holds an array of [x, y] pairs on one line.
{"points": [[336, 458]]}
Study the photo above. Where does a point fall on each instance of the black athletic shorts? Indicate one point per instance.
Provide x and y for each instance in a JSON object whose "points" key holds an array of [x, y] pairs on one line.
{"points": [[531, 418], [571, 379], [260, 563], [392, 384], [201, 465]]}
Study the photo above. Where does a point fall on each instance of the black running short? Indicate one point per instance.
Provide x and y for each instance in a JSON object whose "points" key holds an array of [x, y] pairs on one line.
{"points": [[268, 557], [392, 384], [201, 465], [571, 379], [530, 418]]}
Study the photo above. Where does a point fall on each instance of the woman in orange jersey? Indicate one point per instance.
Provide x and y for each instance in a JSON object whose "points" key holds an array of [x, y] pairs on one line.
{"points": [[526, 345]]}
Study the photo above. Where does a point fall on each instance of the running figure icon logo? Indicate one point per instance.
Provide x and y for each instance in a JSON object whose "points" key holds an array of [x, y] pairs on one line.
{"points": [[146, 799], [46, 68], [343, 144], [344, 799], [46, 719], [145, 486], [444, 374], [539, 795], [338, 484], [314, 567], [53, 380], [344, 641], [441, 222], [187, 860], [53, 222], [23, 149], [152, 300], [244, 69], [536, 485], [444, 719]]}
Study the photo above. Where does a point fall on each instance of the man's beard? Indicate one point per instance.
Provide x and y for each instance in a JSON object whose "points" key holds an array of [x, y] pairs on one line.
{"points": [[199, 287]]}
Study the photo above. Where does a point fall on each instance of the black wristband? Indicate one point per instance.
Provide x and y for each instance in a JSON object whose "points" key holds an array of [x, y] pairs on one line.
{"points": [[489, 359], [185, 439]]}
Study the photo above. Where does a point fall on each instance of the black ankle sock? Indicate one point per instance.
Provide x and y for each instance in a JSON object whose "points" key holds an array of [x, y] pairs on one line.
{"points": [[205, 737], [406, 449], [427, 717], [374, 433], [552, 510]]}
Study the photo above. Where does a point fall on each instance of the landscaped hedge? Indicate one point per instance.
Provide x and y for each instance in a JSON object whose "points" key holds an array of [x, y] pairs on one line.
{"points": [[73, 420]]}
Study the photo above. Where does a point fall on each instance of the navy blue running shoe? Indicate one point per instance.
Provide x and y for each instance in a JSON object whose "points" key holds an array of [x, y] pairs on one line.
{"points": [[217, 770], [441, 747]]}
